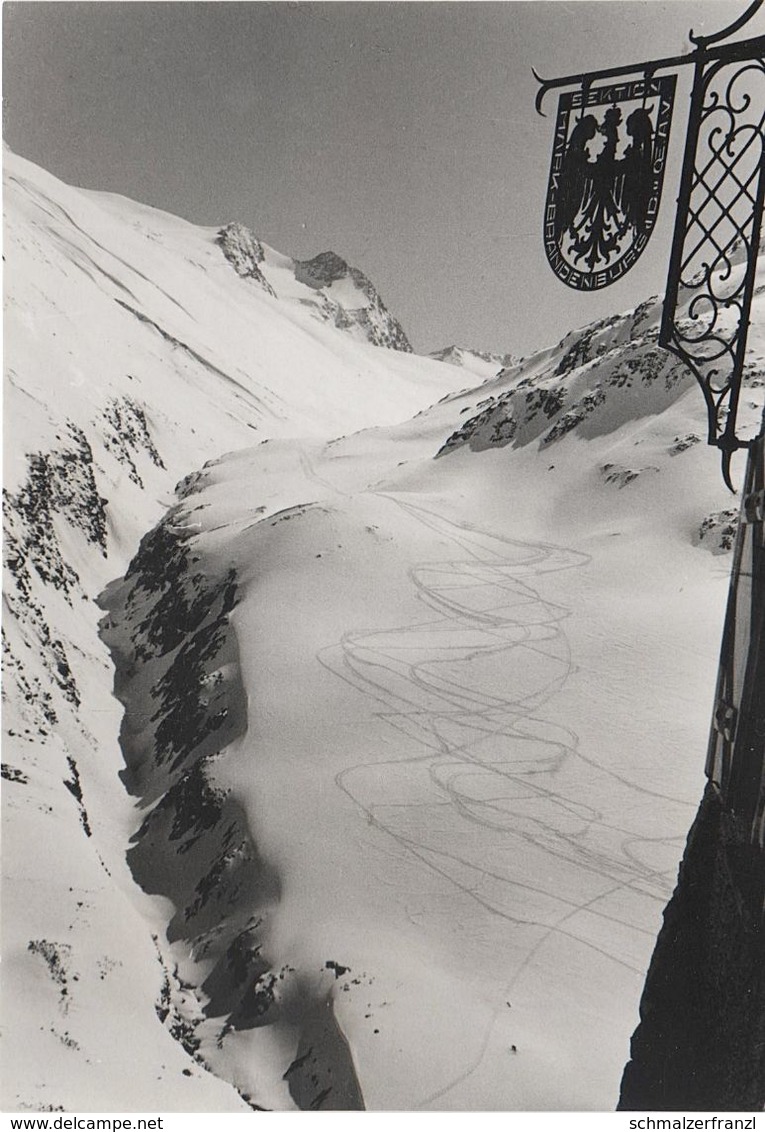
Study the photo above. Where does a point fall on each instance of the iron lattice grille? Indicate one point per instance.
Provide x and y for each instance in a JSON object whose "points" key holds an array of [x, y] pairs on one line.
{"points": [[716, 241]]}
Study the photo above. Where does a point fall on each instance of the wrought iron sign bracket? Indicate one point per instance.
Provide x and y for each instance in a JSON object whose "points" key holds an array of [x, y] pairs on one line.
{"points": [[726, 52], [605, 189], [753, 510]]}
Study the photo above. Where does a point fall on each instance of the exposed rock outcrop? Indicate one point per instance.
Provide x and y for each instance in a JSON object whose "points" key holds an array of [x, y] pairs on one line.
{"points": [[244, 251], [591, 381], [169, 628], [366, 312]]}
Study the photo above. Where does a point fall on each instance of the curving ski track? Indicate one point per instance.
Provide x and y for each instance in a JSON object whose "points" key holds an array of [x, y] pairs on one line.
{"points": [[469, 687]]}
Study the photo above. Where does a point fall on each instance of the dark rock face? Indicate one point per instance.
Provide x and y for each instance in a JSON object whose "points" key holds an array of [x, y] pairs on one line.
{"points": [[313, 1079], [244, 252], [700, 1044], [170, 632], [60, 482], [126, 433], [324, 269], [586, 377], [376, 322], [60, 486], [59, 493]]}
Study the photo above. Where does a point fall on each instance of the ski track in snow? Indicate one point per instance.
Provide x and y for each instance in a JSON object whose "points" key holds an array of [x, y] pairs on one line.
{"points": [[489, 757]]}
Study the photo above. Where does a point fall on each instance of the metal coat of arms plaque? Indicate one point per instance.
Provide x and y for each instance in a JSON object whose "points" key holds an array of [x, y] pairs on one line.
{"points": [[606, 177]]}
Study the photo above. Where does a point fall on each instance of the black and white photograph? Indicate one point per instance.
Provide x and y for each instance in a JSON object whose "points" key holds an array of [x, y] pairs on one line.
{"points": [[384, 558]]}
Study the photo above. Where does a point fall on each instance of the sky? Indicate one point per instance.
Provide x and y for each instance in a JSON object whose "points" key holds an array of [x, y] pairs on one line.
{"points": [[402, 136]]}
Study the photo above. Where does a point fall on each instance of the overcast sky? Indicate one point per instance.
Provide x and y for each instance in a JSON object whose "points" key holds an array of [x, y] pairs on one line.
{"points": [[401, 135]]}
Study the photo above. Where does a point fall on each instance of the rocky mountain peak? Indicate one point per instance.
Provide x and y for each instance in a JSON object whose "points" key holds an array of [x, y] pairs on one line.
{"points": [[244, 251], [324, 269], [481, 362], [351, 301]]}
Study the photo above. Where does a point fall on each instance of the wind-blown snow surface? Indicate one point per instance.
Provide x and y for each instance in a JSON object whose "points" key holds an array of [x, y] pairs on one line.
{"points": [[415, 718], [136, 347], [461, 708]]}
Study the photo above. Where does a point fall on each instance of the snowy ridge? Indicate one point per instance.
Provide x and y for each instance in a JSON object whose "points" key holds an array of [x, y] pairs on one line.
{"points": [[325, 285], [161, 298], [82, 973], [608, 374], [482, 363]]}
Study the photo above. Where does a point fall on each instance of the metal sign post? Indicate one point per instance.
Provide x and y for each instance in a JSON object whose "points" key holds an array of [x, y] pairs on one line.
{"points": [[735, 762], [600, 212], [700, 1040], [601, 205], [717, 232]]}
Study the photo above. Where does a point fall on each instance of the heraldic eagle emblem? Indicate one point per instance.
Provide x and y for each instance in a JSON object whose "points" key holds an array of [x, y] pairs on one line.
{"points": [[606, 179]]}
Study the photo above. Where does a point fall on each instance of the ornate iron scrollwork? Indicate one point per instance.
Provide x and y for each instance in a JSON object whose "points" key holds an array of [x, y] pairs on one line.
{"points": [[594, 231], [716, 241], [705, 323]]}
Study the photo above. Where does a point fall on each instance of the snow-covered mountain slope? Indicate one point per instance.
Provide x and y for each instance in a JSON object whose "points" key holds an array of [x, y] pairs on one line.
{"points": [[334, 292], [136, 347], [350, 301], [153, 293], [481, 363], [449, 721], [411, 721], [595, 380]]}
